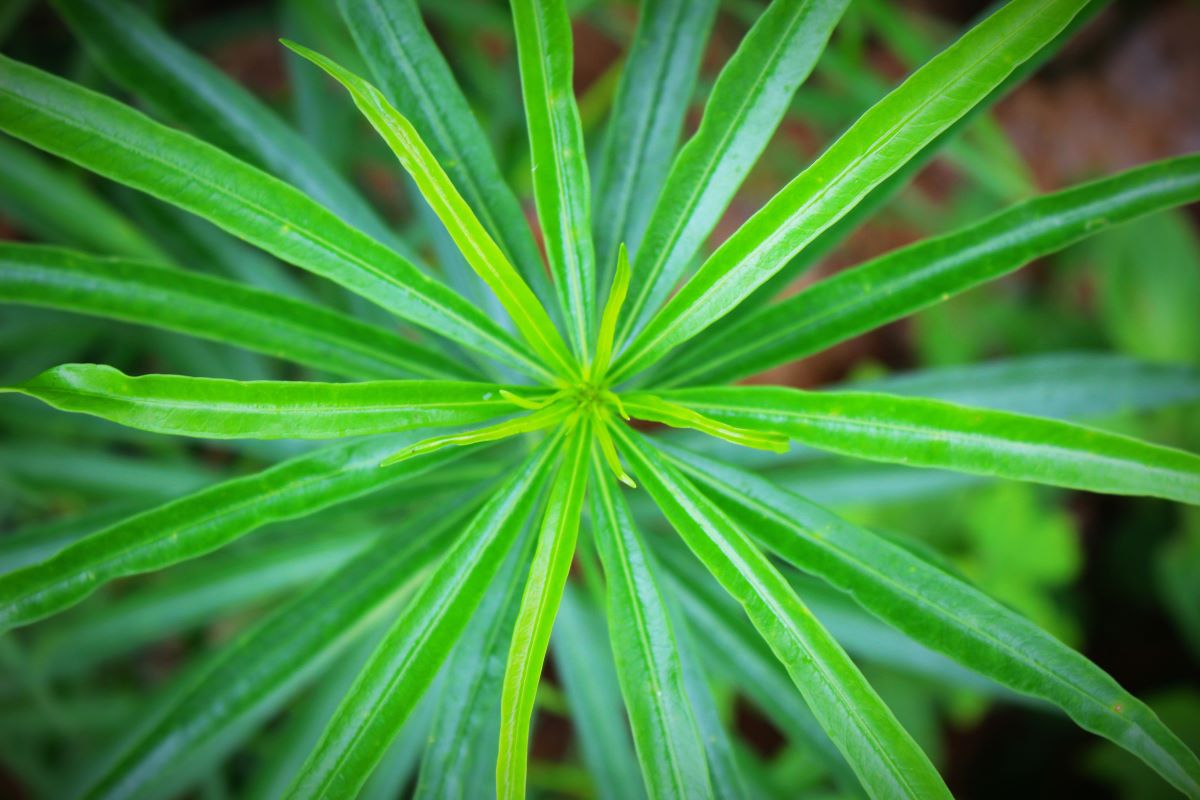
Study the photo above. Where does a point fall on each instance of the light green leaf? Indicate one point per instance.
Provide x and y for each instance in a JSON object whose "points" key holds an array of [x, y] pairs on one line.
{"points": [[942, 611], [920, 275], [415, 646], [606, 338], [484, 256], [185, 88], [931, 433], [653, 408], [202, 522], [415, 77], [547, 575], [882, 754], [212, 708], [647, 118], [648, 665], [222, 409], [560, 175], [877, 145], [120, 143], [750, 97], [214, 309]]}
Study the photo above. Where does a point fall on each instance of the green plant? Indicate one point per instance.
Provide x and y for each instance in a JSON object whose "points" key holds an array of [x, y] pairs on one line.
{"points": [[536, 395]]}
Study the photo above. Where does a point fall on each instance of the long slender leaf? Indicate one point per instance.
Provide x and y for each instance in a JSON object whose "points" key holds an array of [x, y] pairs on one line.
{"points": [[920, 275], [221, 700], [560, 175], [882, 754], [539, 603], [647, 118], [932, 433], [202, 522], [749, 99], [120, 143], [220, 409], [214, 309], [418, 642], [185, 88], [481, 252], [648, 664], [414, 76], [877, 145], [944, 612]]}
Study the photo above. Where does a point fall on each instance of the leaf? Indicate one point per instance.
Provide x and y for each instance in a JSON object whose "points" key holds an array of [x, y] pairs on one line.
{"points": [[878, 144], [52, 204], [185, 88], [593, 697], [527, 423], [751, 96], [417, 643], [221, 409], [208, 711], [643, 643], [931, 433], [124, 145], [920, 275], [414, 76], [882, 754], [539, 604], [655, 409], [202, 522], [560, 175], [606, 337], [484, 256], [214, 309], [946, 614], [647, 118]]}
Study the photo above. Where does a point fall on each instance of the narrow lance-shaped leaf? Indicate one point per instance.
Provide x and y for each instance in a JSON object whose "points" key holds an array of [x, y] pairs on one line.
{"points": [[751, 95], [413, 650], [539, 603], [560, 175], [187, 89], [202, 522], [643, 643], [411, 71], [212, 708], [915, 277], [931, 433], [882, 754], [947, 614], [222, 409], [647, 117], [877, 145], [120, 143], [481, 252], [212, 308]]}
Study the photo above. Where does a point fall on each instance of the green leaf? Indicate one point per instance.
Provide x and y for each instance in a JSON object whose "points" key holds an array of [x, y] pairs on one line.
{"points": [[185, 88], [882, 754], [221, 700], [945, 613], [877, 145], [593, 696], [484, 256], [120, 143], [212, 308], [547, 575], [221, 409], [655, 409], [647, 118], [415, 77], [643, 643], [560, 174], [55, 205], [606, 338], [414, 648], [751, 95], [931, 433], [920, 275], [202, 522]]}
